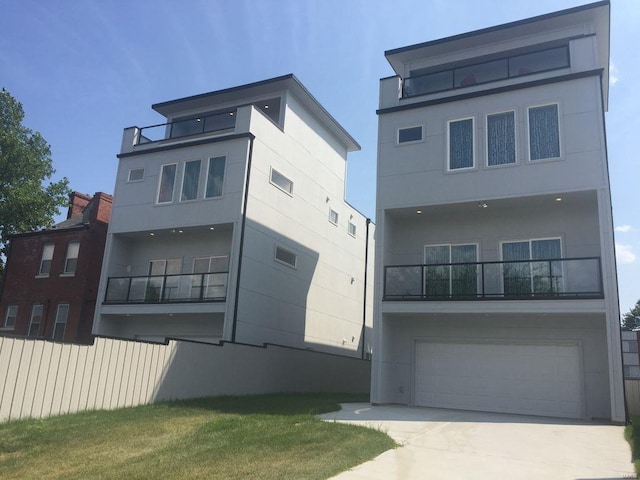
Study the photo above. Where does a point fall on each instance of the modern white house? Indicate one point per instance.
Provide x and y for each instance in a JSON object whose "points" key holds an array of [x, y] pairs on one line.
{"points": [[495, 272], [230, 223]]}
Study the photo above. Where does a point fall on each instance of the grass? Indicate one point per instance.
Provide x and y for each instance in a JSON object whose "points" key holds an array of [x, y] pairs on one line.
{"points": [[252, 437], [632, 435]]}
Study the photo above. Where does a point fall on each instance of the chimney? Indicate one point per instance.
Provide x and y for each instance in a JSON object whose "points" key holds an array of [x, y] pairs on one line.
{"points": [[77, 202]]}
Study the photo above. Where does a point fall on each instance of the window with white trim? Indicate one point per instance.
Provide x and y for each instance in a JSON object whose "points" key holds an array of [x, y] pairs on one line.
{"points": [[10, 317], [541, 275], [409, 134], [333, 216], [544, 132], [136, 175], [352, 228], [37, 312], [71, 260], [47, 259], [190, 181], [286, 256], [167, 183], [441, 279], [60, 325], [279, 180], [460, 144], [215, 177], [501, 138]]}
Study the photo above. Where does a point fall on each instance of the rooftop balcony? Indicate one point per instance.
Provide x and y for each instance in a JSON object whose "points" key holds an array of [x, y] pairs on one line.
{"points": [[189, 288], [215, 123], [543, 279]]}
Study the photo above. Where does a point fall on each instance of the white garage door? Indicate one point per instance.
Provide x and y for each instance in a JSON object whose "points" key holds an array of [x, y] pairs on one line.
{"points": [[528, 379]]}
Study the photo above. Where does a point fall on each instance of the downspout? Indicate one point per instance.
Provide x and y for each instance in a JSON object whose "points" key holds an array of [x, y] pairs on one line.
{"points": [[242, 229], [364, 306]]}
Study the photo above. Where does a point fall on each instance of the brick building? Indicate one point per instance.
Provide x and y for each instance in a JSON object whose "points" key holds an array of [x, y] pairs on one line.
{"points": [[52, 276]]}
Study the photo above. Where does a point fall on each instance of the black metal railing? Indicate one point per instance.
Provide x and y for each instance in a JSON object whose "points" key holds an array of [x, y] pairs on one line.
{"points": [[512, 280], [194, 287], [219, 122]]}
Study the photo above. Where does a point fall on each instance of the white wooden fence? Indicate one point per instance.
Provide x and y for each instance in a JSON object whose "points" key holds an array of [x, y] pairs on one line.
{"points": [[39, 378]]}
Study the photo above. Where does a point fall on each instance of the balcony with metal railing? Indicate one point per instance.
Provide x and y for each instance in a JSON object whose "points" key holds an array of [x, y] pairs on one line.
{"points": [[540, 279], [154, 289], [214, 123]]}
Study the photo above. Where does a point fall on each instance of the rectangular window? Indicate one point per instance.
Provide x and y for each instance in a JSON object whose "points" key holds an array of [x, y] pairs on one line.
{"points": [[61, 321], [544, 132], [352, 229], [539, 61], [215, 177], [11, 316], [167, 182], [410, 134], [333, 216], [71, 261], [501, 138], [460, 146], [445, 280], [280, 181], [165, 267], [540, 275], [136, 174], [36, 319], [286, 256], [47, 258], [210, 277], [190, 181]]}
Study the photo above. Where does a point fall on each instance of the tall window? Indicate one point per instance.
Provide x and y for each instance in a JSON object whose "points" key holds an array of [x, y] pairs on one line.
{"points": [[11, 316], [47, 258], [501, 138], [352, 229], [534, 276], [215, 177], [333, 216], [190, 180], [544, 132], [61, 321], [443, 279], [71, 260], [157, 286], [460, 146], [167, 183], [36, 320], [210, 277]]}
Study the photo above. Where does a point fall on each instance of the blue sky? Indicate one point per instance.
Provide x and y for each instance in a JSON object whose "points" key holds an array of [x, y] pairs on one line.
{"points": [[86, 69]]}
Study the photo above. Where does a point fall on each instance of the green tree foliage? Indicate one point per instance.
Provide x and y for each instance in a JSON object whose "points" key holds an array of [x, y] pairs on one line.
{"points": [[27, 202], [631, 319]]}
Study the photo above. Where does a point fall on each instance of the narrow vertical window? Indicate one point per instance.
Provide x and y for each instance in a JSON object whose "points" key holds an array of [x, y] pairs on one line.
{"points": [[333, 216], [460, 146], [71, 260], [47, 258], [167, 182], [215, 177], [544, 132], [352, 229], [190, 180], [501, 139], [11, 316], [61, 321], [36, 320]]}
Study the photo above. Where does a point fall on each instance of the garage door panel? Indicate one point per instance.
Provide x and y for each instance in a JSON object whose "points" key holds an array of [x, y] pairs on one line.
{"points": [[517, 378]]}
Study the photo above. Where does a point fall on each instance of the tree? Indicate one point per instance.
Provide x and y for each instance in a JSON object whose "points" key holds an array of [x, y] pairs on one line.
{"points": [[631, 319], [26, 203]]}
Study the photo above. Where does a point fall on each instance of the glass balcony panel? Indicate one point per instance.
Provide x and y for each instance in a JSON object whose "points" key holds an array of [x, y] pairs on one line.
{"points": [[221, 121], [403, 281], [182, 128], [117, 289], [539, 61], [481, 73], [423, 84]]}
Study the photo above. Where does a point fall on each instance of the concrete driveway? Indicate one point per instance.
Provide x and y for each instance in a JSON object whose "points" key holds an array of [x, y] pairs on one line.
{"points": [[453, 444]]}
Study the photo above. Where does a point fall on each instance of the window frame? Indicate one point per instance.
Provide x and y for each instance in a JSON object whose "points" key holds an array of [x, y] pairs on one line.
{"points": [[41, 273], [141, 179], [7, 315], [476, 245], [515, 138], [33, 310], [290, 252], [473, 144], [272, 182], [184, 177], [331, 215], [224, 177], [558, 113], [173, 187], [65, 270], [355, 229], [57, 322], [410, 127]]}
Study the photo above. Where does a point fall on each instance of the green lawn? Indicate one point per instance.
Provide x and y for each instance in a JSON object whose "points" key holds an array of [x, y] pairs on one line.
{"points": [[253, 437], [632, 434]]}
